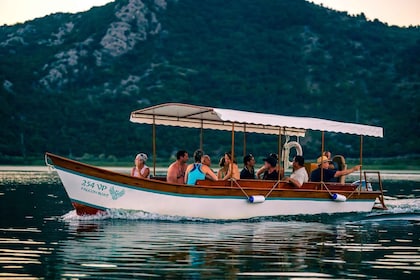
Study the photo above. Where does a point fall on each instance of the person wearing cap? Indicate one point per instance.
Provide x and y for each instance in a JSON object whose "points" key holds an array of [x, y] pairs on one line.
{"points": [[299, 174], [271, 172], [140, 170], [248, 171], [260, 172], [329, 175], [333, 165]]}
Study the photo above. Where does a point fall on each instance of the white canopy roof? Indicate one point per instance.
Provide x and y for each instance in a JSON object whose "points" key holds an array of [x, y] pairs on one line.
{"points": [[184, 115]]}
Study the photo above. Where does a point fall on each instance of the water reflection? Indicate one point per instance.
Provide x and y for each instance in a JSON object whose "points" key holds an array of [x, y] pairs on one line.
{"points": [[35, 242], [231, 250]]}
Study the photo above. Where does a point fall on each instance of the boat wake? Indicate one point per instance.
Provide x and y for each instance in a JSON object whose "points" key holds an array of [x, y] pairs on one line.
{"points": [[398, 210], [407, 207], [119, 214]]}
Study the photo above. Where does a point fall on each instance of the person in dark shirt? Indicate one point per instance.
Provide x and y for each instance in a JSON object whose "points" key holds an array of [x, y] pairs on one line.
{"points": [[329, 175], [248, 171], [271, 172], [333, 165]]}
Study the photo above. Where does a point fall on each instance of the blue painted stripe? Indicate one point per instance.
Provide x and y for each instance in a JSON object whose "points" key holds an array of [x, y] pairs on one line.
{"points": [[196, 196]]}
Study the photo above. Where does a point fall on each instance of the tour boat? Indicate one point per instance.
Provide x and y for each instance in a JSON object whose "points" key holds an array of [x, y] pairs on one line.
{"points": [[95, 190]]}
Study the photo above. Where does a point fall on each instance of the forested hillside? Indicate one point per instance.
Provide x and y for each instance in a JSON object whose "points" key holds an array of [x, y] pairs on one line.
{"points": [[68, 82]]}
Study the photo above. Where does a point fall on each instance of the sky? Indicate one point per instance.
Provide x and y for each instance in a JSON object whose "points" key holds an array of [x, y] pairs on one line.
{"points": [[393, 12]]}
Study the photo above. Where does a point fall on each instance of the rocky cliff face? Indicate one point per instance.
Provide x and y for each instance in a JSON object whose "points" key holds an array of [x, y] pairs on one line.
{"points": [[133, 22]]}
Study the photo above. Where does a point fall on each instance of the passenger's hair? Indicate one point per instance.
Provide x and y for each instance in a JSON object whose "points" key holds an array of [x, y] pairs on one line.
{"points": [[198, 154], [180, 154], [222, 162], [300, 160], [247, 158], [275, 156], [229, 154]]}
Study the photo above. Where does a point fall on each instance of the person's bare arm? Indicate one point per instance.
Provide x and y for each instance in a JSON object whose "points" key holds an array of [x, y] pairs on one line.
{"points": [[347, 171], [209, 173], [171, 176], [260, 172], [220, 174], [146, 173], [132, 171], [228, 174], [294, 182]]}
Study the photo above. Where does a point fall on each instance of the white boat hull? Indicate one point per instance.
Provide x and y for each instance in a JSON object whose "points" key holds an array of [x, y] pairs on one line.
{"points": [[103, 194]]}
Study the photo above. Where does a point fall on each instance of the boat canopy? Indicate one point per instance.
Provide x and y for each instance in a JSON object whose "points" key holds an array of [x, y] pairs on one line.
{"points": [[184, 115]]}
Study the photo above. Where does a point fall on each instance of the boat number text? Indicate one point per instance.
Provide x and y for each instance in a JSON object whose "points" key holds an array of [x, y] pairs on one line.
{"points": [[100, 187], [101, 190], [93, 187]]}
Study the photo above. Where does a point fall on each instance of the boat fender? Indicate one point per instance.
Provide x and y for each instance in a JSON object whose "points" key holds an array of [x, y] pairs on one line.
{"points": [[338, 197], [287, 147], [256, 198]]}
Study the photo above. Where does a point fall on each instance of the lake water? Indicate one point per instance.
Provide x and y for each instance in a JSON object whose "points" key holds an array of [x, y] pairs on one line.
{"points": [[42, 237]]}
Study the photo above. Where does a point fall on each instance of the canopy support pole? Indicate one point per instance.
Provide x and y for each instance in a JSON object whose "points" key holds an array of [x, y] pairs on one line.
{"points": [[154, 146], [201, 136], [279, 153], [322, 153], [361, 159], [244, 140], [232, 153], [282, 154]]}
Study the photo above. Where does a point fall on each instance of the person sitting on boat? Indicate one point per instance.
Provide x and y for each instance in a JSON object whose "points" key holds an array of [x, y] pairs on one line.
{"points": [[206, 160], [271, 171], [248, 172], [223, 169], [333, 165], [198, 171], [329, 175], [299, 174], [233, 169], [176, 171], [263, 168], [140, 169]]}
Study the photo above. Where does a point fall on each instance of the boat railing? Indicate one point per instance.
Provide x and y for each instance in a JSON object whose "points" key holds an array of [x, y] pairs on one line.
{"points": [[381, 189]]}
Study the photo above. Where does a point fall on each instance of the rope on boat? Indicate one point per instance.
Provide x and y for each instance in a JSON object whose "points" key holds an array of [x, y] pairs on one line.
{"points": [[255, 198], [272, 189], [355, 189], [239, 186], [50, 166]]}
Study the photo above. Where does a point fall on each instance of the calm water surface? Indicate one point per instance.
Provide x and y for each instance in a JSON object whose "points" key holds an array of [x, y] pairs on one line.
{"points": [[41, 237]]}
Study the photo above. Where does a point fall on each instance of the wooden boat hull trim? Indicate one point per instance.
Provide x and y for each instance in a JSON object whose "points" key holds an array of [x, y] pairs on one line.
{"points": [[92, 190]]}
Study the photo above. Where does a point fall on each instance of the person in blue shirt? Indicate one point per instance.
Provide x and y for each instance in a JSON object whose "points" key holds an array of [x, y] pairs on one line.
{"points": [[329, 175], [198, 171]]}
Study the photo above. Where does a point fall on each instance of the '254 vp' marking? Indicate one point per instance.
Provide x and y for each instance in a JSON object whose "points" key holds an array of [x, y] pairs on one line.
{"points": [[91, 184]]}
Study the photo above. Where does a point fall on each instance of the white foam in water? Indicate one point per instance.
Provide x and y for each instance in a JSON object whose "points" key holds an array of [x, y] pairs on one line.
{"points": [[125, 215], [403, 206], [399, 206]]}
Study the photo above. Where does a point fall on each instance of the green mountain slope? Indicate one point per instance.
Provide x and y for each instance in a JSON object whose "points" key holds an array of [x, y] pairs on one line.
{"points": [[69, 82]]}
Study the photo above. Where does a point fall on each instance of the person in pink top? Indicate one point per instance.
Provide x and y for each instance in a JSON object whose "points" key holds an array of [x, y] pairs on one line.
{"points": [[140, 170]]}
